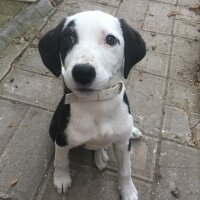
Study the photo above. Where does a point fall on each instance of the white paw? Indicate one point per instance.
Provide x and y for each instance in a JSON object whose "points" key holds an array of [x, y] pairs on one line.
{"points": [[62, 181], [101, 158], [128, 192], [136, 133]]}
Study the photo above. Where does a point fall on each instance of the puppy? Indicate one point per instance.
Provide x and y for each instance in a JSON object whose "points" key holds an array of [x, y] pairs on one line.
{"points": [[94, 52]]}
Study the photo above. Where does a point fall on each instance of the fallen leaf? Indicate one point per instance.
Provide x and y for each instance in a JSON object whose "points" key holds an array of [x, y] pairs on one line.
{"points": [[173, 13], [13, 182], [195, 8]]}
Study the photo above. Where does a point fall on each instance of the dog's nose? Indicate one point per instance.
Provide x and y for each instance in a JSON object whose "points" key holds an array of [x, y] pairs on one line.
{"points": [[83, 73]]}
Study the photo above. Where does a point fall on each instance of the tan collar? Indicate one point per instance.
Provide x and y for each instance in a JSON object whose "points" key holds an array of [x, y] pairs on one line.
{"points": [[95, 96]]}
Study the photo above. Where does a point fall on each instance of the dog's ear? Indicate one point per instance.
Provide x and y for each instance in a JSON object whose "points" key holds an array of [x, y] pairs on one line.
{"points": [[49, 46], [134, 47]]}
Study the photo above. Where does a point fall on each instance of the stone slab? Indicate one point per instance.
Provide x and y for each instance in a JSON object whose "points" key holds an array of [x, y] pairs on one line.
{"points": [[176, 125], [31, 61], [133, 11], [189, 3], [72, 7], [114, 3], [9, 55], [186, 29], [155, 63], [148, 85], [33, 89], [184, 96], [54, 21], [157, 19], [143, 155], [187, 15], [185, 49], [169, 1], [157, 43], [9, 9], [26, 156], [182, 70], [91, 184], [179, 168], [195, 128], [146, 107], [11, 114]]}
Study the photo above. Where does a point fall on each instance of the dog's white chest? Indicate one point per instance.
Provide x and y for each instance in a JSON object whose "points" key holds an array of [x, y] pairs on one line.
{"points": [[97, 125]]}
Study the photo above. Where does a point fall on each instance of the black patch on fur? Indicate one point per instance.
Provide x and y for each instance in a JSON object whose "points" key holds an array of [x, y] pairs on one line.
{"points": [[66, 44], [129, 144], [59, 123], [134, 49], [125, 98], [54, 43]]}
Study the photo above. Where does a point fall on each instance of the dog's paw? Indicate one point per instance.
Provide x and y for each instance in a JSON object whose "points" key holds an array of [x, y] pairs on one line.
{"points": [[136, 133], [128, 192], [62, 181], [101, 158]]}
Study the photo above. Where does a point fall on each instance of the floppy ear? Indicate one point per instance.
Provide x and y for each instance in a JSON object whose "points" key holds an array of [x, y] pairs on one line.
{"points": [[134, 47], [49, 46]]}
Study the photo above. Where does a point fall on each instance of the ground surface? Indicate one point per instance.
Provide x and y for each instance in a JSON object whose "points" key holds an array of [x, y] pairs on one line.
{"points": [[9, 9], [164, 96]]}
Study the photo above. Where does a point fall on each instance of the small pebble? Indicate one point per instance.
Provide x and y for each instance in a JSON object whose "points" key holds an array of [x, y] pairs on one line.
{"points": [[153, 34], [175, 192]]}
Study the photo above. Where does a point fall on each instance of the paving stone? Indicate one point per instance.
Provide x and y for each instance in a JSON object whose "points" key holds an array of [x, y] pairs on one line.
{"points": [[92, 184], [195, 128], [72, 7], [182, 70], [185, 49], [108, 2], [176, 125], [155, 63], [11, 115], [54, 21], [157, 19], [183, 96], [158, 43], [26, 156], [187, 15], [168, 1], [32, 89], [189, 3], [150, 86], [179, 168], [146, 105], [9, 55], [143, 155], [186, 29], [133, 11], [44, 7], [31, 61]]}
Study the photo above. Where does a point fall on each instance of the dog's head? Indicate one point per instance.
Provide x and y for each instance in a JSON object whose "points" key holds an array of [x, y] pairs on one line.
{"points": [[91, 49]]}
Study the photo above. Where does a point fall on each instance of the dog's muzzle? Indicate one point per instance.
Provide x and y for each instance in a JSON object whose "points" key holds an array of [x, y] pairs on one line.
{"points": [[94, 96]]}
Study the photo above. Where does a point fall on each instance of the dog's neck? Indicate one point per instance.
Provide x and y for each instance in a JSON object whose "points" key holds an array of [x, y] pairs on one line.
{"points": [[105, 94]]}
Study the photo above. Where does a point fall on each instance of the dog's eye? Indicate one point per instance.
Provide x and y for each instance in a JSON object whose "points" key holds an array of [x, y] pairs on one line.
{"points": [[111, 40], [69, 38]]}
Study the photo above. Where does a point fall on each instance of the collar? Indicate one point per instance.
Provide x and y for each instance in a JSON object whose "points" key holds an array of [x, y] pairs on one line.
{"points": [[95, 96]]}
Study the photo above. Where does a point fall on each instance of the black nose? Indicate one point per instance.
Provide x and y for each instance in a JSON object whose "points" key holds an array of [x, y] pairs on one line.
{"points": [[83, 73]]}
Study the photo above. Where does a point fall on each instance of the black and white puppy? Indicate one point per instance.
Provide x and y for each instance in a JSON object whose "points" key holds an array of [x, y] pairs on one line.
{"points": [[94, 52]]}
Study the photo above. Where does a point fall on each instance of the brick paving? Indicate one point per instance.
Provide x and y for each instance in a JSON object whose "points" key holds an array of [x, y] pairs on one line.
{"points": [[164, 98]]}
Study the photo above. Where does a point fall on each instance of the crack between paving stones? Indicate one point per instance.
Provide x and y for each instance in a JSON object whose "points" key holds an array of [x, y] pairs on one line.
{"points": [[157, 175]]}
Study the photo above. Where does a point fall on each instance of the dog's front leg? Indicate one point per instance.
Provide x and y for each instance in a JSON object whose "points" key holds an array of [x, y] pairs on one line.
{"points": [[126, 187], [61, 177]]}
